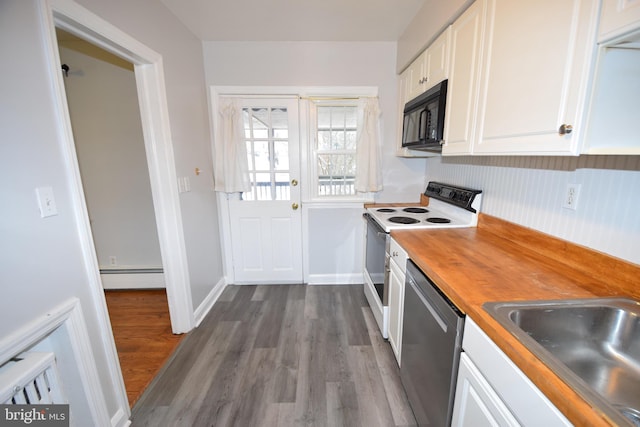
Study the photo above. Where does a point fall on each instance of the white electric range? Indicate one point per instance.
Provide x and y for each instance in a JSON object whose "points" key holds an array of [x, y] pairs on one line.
{"points": [[449, 207]]}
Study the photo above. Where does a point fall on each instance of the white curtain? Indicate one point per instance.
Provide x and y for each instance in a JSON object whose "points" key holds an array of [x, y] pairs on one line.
{"points": [[368, 169], [231, 168]]}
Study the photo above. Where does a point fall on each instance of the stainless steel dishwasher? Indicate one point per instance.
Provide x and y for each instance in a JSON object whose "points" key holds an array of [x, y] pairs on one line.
{"points": [[431, 346]]}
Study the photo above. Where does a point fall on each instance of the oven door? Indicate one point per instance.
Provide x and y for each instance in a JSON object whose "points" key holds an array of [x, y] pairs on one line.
{"points": [[377, 272]]}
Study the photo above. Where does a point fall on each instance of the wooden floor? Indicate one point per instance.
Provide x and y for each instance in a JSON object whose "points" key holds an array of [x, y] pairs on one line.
{"points": [[142, 331], [286, 355]]}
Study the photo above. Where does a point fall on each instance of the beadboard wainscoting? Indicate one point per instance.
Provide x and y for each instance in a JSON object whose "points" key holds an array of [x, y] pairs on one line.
{"points": [[530, 191]]}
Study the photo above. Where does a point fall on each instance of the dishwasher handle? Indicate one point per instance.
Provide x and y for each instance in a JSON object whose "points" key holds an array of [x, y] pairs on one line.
{"points": [[434, 313]]}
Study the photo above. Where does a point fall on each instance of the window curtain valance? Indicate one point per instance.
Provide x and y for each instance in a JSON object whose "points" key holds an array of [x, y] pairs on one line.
{"points": [[231, 169], [368, 168]]}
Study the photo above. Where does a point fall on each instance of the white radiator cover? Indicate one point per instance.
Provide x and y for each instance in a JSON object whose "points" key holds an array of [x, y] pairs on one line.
{"points": [[31, 378]]}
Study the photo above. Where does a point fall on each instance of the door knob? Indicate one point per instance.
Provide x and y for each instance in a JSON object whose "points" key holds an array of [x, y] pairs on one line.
{"points": [[294, 182], [294, 206], [565, 129]]}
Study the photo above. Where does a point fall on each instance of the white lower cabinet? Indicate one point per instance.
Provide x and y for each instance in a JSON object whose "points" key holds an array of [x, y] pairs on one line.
{"points": [[477, 405], [492, 391], [398, 266]]}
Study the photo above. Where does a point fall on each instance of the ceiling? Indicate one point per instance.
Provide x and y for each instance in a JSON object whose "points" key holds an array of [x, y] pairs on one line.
{"points": [[295, 20]]}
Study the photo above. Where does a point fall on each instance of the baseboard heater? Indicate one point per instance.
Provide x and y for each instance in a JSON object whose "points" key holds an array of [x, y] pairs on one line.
{"points": [[132, 278], [130, 270]]}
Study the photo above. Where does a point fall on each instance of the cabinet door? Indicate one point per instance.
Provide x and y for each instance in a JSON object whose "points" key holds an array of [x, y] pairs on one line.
{"points": [[396, 308], [537, 62], [416, 76], [618, 17], [437, 60], [462, 90], [476, 404]]}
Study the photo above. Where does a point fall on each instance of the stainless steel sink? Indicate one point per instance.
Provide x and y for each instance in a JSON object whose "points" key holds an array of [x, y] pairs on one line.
{"points": [[592, 344]]}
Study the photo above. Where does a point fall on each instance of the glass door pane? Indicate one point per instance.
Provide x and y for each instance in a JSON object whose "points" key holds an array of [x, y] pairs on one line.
{"points": [[267, 136]]}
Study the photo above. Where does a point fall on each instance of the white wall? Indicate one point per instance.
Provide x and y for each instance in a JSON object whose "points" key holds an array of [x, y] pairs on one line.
{"points": [[105, 116], [336, 245], [530, 191], [152, 24], [324, 64]]}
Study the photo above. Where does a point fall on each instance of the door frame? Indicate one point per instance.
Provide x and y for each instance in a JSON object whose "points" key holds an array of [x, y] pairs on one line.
{"points": [[149, 74], [154, 115], [224, 221]]}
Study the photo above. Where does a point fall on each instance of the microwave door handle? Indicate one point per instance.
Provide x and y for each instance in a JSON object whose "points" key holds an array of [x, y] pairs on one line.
{"points": [[420, 121]]}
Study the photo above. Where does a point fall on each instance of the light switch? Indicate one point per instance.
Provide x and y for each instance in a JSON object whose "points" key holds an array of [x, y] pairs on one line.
{"points": [[184, 185], [46, 202]]}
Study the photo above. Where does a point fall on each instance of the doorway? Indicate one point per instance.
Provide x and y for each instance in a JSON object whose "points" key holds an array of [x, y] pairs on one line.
{"points": [[149, 76], [105, 117], [154, 115]]}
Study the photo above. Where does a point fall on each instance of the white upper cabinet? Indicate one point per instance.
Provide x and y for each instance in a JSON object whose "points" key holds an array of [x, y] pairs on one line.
{"points": [[438, 60], [415, 76], [612, 125], [614, 106], [462, 90], [618, 17], [537, 61], [429, 68]]}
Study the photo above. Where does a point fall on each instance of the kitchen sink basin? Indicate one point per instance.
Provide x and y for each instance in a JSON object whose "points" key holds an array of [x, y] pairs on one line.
{"points": [[592, 344]]}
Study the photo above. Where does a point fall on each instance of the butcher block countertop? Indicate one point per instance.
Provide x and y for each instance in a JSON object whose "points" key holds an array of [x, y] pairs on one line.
{"points": [[501, 261]]}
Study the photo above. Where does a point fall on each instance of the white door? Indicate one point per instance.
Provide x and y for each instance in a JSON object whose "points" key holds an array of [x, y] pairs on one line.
{"points": [[266, 226]]}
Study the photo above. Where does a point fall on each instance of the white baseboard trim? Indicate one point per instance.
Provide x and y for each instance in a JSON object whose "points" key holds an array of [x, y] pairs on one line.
{"points": [[133, 281], [120, 419], [206, 305], [336, 279]]}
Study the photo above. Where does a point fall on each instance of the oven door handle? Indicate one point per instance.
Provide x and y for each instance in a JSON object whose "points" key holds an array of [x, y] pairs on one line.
{"points": [[375, 224], [433, 311]]}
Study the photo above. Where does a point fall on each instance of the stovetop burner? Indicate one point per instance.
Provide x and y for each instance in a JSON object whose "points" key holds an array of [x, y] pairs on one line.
{"points": [[415, 210], [403, 220], [439, 220], [385, 210]]}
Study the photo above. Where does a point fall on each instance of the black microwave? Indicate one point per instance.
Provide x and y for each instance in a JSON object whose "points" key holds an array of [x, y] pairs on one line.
{"points": [[423, 124]]}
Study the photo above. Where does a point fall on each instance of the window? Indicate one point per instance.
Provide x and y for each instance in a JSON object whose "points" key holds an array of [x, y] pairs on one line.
{"points": [[335, 148], [267, 138]]}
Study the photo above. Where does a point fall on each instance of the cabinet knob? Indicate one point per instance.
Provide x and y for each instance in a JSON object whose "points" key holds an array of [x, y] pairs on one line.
{"points": [[565, 129]]}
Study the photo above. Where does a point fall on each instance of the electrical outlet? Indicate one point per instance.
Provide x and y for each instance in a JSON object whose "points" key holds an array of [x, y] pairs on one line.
{"points": [[571, 196], [113, 260]]}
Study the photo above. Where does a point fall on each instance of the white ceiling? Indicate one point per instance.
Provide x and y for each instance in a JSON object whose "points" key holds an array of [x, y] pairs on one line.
{"points": [[295, 20]]}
